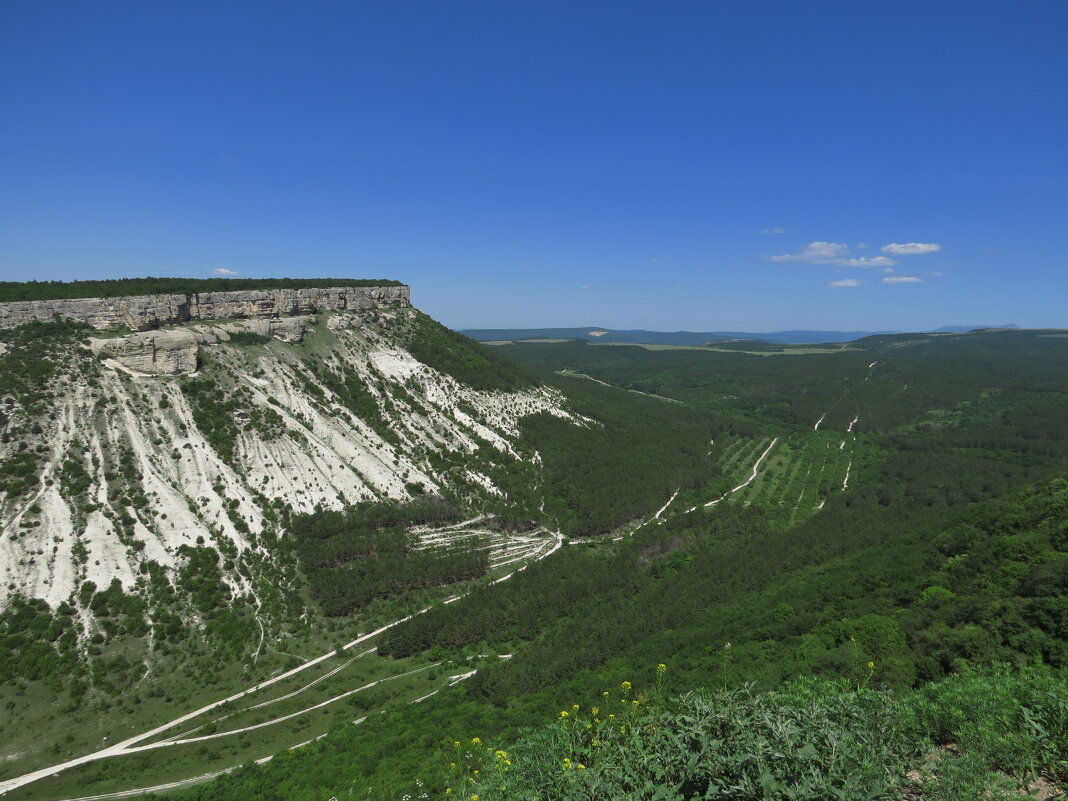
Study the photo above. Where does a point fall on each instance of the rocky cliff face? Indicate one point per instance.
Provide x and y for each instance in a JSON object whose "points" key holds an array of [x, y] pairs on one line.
{"points": [[131, 462], [147, 312], [176, 351]]}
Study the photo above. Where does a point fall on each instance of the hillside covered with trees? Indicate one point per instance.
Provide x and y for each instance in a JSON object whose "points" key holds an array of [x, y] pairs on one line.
{"points": [[865, 537], [923, 603]]}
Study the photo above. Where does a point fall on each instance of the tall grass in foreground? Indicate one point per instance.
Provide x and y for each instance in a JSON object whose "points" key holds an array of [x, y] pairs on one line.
{"points": [[966, 737]]}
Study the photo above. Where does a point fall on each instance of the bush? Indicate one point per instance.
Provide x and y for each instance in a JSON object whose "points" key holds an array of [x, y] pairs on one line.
{"points": [[811, 739]]}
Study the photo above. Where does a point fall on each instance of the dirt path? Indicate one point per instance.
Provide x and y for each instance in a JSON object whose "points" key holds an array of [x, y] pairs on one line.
{"points": [[756, 468], [747, 482], [132, 744], [661, 510]]}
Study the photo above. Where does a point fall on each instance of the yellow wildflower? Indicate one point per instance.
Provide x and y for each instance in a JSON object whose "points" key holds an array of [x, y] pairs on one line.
{"points": [[564, 713], [575, 707], [625, 685], [476, 741], [500, 754], [871, 666]]}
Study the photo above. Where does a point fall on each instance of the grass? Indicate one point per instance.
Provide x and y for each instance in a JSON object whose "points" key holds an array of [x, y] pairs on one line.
{"points": [[803, 469], [48, 734], [811, 739], [289, 713]]}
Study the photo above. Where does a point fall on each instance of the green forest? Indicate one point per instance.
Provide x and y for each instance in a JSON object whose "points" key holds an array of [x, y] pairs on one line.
{"points": [[940, 575], [799, 575], [364, 552]]}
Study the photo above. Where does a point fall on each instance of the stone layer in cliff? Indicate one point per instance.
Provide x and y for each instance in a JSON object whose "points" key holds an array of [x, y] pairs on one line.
{"points": [[147, 312]]}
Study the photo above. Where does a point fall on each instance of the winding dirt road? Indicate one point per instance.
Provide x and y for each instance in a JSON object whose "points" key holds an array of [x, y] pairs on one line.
{"points": [[134, 744]]}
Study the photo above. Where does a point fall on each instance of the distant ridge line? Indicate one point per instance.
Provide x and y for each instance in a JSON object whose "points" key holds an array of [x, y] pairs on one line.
{"points": [[690, 338]]}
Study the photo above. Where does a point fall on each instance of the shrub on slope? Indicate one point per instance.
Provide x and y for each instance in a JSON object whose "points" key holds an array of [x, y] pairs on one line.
{"points": [[810, 739]]}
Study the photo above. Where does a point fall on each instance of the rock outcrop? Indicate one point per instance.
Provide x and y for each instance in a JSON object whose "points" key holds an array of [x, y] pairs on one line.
{"points": [[287, 329], [148, 312], [175, 351], [153, 353]]}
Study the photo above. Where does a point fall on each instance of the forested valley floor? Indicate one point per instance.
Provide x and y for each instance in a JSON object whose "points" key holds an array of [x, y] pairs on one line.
{"points": [[846, 532]]}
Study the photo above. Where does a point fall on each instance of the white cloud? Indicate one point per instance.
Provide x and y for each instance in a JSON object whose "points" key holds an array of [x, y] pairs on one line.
{"points": [[845, 282], [816, 253], [888, 270], [832, 253], [874, 261], [902, 279], [773, 231], [224, 272], [911, 248]]}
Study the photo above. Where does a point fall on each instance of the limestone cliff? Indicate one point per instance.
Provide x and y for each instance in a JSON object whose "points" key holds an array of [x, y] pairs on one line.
{"points": [[147, 312], [175, 351], [127, 461]]}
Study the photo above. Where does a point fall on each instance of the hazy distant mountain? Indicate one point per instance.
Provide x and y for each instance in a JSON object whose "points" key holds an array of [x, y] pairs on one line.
{"points": [[638, 336], [957, 329]]}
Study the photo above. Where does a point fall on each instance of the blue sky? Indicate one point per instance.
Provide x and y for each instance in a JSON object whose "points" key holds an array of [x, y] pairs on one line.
{"points": [[665, 165]]}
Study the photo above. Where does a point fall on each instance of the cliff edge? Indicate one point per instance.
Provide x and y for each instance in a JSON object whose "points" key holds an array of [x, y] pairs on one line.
{"points": [[148, 312]]}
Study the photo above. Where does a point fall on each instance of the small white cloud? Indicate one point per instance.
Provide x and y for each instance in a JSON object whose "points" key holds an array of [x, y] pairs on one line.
{"points": [[911, 248], [888, 270], [585, 286], [816, 253], [832, 253], [773, 231], [935, 275], [902, 279], [845, 282], [825, 250], [874, 261], [224, 272]]}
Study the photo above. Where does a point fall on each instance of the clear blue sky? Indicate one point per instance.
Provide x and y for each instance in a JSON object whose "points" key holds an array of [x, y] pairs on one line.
{"points": [[665, 165]]}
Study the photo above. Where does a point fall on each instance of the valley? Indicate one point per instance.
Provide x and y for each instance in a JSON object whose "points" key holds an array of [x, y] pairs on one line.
{"points": [[310, 551]]}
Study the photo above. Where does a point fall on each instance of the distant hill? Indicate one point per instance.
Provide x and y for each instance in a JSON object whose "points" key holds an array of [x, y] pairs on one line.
{"points": [[959, 329], [690, 338]]}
